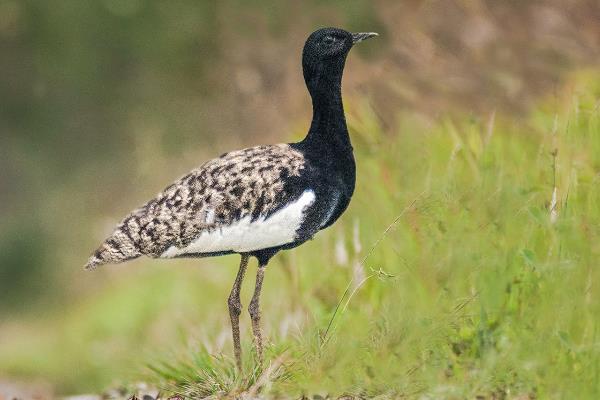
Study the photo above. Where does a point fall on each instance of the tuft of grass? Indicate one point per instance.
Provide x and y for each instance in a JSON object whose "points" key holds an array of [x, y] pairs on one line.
{"points": [[200, 374]]}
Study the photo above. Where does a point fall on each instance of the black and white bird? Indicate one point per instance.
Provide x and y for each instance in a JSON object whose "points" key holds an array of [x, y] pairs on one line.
{"points": [[256, 201]]}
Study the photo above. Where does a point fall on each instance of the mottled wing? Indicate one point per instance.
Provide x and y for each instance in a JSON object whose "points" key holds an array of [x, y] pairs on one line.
{"points": [[237, 188]]}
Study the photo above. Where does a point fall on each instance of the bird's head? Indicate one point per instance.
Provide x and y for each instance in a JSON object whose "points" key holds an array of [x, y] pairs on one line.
{"points": [[325, 52]]}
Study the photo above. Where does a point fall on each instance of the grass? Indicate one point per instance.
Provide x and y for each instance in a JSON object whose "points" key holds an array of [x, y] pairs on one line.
{"points": [[465, 266]]}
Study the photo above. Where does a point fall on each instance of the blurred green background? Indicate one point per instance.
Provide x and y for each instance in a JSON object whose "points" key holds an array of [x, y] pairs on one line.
{"points": [[455, 111]]}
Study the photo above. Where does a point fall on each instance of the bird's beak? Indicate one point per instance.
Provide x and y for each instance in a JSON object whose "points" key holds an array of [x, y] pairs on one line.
{"points": [[360, 36]]}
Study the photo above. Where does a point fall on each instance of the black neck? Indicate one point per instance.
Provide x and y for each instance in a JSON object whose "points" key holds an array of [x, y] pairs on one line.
{"points": [[328, 131]]}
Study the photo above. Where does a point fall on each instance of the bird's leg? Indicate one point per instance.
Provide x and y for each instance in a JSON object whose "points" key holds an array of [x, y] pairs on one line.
{"points": [[235, 309], [254, 309]]}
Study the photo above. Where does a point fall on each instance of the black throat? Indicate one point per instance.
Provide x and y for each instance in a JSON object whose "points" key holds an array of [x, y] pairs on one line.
{"points": [[328, 134]]}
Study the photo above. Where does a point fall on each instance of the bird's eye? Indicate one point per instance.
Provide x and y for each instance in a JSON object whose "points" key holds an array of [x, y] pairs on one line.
{"points": [[328, 39]]}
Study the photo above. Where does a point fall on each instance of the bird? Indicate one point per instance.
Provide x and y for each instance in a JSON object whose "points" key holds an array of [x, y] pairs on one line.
{"points": [[257, 201]]}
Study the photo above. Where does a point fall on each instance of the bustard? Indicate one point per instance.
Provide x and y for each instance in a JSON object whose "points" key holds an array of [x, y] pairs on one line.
{"points": [[256, 201]]}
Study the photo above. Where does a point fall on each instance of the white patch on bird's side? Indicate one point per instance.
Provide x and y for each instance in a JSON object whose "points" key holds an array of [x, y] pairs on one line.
{"points": [[246, 235]]}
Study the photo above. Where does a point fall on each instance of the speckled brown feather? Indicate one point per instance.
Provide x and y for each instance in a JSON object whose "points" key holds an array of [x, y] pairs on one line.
{"points": [[221, 191]]}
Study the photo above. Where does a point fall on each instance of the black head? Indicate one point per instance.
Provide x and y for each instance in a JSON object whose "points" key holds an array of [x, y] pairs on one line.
{"points": [[324, 55]]}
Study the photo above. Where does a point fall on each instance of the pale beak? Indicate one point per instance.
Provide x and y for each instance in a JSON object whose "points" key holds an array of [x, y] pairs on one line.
{"points": [[360, 36]]}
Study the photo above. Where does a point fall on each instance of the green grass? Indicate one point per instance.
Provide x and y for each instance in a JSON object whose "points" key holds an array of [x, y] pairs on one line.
{"points": [[448, 277]]}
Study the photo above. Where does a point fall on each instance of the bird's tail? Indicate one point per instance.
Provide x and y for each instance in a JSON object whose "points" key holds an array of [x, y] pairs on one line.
{"points": [[118, 248]]}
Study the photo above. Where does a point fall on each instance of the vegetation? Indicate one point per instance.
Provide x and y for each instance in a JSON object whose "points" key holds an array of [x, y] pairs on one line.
{"points": [[466, 266]]}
